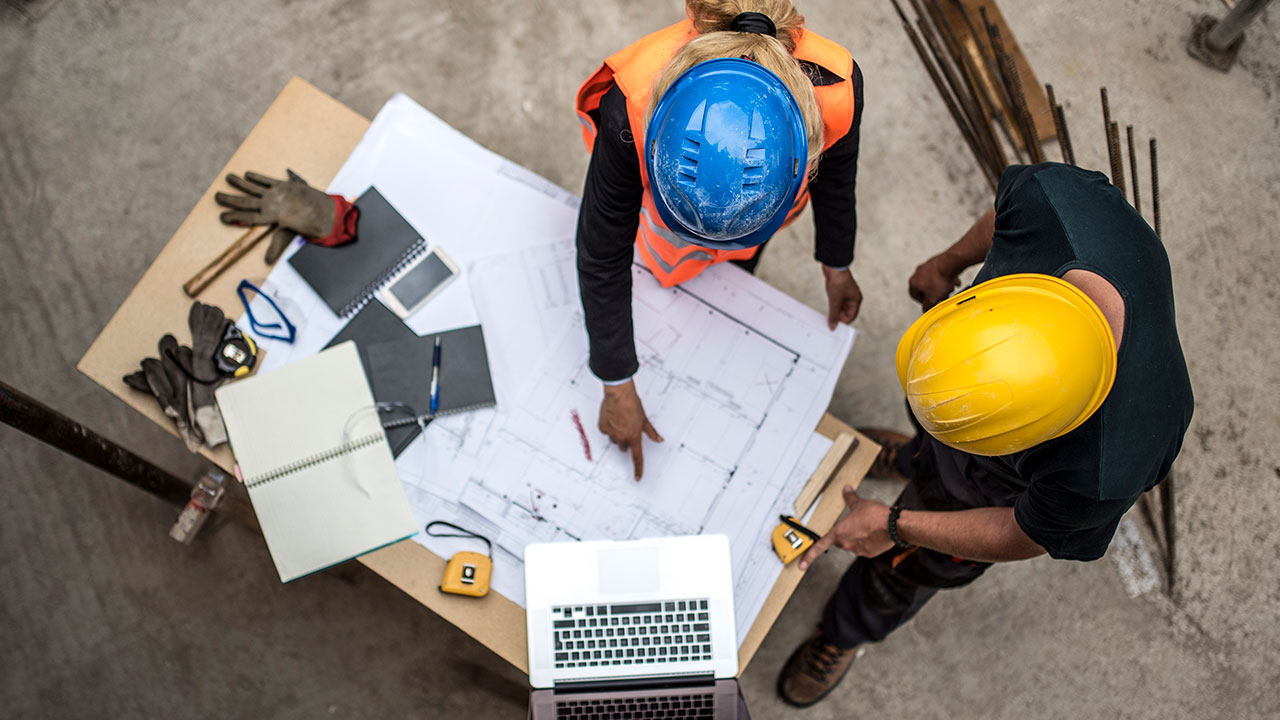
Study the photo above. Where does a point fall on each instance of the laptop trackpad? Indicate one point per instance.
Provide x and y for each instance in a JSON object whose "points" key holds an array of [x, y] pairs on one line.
{"points": [[633, 570]]}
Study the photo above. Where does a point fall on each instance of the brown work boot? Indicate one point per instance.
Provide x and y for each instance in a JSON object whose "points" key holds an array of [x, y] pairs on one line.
{"points": [[813, 671], [886, 463]]}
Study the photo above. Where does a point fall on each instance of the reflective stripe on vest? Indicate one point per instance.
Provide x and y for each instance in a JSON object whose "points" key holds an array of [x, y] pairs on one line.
{"points": [[671, 259]]}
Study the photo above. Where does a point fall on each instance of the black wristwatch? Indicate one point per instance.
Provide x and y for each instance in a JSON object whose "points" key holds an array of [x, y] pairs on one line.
{"points": [[894, 512]]}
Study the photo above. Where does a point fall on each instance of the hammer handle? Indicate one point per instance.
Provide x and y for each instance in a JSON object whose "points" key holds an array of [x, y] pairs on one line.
{"points": [[234, 252]]}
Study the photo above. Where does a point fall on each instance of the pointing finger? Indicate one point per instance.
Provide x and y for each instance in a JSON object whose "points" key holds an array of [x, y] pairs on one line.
{"points": [[637, 457]]}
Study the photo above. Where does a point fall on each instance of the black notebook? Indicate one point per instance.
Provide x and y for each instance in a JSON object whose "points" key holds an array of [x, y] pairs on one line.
{"points": [[398, 364], [347, 276]]}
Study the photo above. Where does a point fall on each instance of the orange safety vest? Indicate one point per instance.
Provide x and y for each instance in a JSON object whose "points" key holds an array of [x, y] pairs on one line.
{"points": [[633, 69]]}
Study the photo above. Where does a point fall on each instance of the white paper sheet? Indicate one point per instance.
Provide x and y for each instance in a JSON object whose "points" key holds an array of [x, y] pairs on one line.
{"points": [[736, 401], [734, 373]]}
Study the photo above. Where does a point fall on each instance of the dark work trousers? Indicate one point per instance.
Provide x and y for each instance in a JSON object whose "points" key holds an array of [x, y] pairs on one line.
{"points": [[750, 263], [878, 594]]}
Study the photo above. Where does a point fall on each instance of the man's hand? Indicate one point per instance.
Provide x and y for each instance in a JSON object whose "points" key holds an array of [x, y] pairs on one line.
{"points": [[933, 281], [622, 418], [863, 531], [844, 297]]}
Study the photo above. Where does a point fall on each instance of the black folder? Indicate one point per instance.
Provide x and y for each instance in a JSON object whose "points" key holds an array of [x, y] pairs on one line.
{"points": [[347, 276], [398, 364]]}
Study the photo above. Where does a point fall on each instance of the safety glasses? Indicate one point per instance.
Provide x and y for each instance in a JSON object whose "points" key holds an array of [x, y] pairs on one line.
{"points": [[280, 330]]}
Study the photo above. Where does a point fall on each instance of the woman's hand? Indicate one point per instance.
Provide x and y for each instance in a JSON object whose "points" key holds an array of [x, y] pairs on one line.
{"points": [[622, 418]]}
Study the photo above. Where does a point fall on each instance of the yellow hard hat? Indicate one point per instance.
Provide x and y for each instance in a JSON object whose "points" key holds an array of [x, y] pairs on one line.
{"points": [[1008, 364]]}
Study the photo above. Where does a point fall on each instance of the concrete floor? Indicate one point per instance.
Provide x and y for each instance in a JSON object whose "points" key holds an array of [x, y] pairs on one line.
{"points": [[115, 116]]}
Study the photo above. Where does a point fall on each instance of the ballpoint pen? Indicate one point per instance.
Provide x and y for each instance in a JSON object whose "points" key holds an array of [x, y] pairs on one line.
{"points": [[435, 377]]}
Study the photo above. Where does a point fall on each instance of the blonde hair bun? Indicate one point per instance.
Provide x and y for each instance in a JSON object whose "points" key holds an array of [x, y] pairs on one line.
{"points": [[717, 38]]}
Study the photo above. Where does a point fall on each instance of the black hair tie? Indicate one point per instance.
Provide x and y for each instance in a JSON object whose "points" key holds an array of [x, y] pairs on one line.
{"points": [[753, 22]]}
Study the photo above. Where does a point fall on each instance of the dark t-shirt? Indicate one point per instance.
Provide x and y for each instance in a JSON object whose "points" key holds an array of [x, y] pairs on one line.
{"points": [[610, 214], [1051, 218]]}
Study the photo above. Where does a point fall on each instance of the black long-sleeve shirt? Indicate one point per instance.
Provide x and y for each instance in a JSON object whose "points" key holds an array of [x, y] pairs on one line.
{"points": [[610, 215]]}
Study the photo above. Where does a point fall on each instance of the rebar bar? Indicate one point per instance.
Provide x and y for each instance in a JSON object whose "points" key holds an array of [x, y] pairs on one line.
{"points": [[1133, 169], [1057, 121], [1118, 167], [963, 102], [1170, 532], [1021, 117], [946, 97], [1004, 102], [1155, 191], [1112, 158], [1068, 152], [973, 83], [1028, 123]]}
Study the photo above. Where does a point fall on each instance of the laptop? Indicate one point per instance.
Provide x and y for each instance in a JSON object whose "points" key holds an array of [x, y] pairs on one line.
{"points": [[632, 629]]}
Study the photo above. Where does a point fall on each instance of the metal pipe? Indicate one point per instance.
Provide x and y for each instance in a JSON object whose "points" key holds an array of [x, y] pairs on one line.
{"points": [[1155, 191], [1133, 169], [50, 426], [1232, 25], [43, 423]]}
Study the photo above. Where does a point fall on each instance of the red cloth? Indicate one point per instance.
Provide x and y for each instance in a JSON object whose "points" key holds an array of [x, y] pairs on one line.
{"points": [[344, 224]]}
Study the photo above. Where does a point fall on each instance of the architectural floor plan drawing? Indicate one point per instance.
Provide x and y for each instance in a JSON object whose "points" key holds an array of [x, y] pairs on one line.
{"points": [[736, 405], [734, 374]]}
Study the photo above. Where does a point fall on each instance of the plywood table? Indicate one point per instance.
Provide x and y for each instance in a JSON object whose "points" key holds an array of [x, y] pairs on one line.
{"points": [[311, 133]]}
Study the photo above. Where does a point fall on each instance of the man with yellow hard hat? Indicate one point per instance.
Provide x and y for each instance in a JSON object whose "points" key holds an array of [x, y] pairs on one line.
{"points": [[1047, 398]]}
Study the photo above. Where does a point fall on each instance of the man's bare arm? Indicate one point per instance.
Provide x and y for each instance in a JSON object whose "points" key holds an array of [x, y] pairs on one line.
{"points": [[983, 534]]}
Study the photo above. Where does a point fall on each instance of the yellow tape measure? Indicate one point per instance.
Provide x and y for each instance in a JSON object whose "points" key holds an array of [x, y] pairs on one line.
{"points": [[791, 539], [467, 573]]}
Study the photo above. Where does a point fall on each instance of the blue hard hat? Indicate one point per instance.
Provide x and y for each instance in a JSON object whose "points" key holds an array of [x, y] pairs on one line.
{"points": [[727, 154]]}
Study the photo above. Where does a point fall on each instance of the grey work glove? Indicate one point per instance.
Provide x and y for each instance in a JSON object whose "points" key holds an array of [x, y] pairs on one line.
{"points": [[292, 205], [207, 324], [165, 381]]}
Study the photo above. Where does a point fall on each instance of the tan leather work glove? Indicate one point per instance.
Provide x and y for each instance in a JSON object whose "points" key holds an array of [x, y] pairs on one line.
{"points": [[292, 205]]}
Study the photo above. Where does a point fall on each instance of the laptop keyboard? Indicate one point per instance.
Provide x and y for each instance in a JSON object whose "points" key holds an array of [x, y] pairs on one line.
{"points": [[673, 706], [631, 633]]}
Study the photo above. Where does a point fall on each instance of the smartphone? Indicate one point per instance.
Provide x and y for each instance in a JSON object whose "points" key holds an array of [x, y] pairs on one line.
{"points": [[415, 286]]}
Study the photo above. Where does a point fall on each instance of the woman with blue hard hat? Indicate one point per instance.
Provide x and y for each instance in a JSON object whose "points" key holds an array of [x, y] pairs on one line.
{"points": [[707, 137]]}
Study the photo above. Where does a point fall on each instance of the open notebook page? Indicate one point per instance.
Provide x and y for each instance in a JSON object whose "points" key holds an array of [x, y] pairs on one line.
{"points": [[316, 462]]}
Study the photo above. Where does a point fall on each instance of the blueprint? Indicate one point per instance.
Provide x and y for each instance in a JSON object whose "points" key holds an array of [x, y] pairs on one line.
{"points": [[736, 402], [734, 374]]}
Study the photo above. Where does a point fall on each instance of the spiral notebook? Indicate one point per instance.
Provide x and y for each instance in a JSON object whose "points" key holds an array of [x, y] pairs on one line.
{"points": [[315, 459], [347, 276], [398, 365]]}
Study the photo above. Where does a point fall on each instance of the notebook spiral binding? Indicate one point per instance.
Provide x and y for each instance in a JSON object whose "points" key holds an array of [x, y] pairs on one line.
{"points": [[416, 419], [317, 459], [362, 298]]}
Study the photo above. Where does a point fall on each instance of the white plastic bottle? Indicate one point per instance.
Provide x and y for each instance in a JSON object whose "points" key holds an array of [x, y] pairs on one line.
{"points": [[204, 498]]}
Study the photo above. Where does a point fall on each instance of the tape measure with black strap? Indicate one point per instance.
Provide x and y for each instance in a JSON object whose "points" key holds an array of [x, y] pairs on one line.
{"points": [[791, 539]]}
